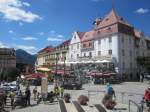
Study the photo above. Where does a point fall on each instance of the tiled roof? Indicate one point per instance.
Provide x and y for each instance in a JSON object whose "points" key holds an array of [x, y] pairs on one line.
{"points": [[67, 42], [112, 23], [88, 35], [80, 34], [138, 33], [46, 49], [110, 19]]}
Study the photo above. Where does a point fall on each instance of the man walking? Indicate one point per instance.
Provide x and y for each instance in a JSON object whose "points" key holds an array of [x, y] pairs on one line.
{"points": [[28, 95]]}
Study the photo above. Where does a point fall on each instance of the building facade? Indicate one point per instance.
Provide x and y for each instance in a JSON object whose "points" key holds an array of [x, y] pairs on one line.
{"points": [[50, 56], [7, 58], [111, 40]]}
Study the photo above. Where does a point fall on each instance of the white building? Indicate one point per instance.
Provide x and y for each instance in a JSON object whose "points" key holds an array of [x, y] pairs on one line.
{"points": [[112, 39]]}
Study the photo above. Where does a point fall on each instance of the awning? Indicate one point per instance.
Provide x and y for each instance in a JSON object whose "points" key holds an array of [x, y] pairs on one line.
{"points": [[43, 69], [61, 72], [103, 61], [34, 76]]}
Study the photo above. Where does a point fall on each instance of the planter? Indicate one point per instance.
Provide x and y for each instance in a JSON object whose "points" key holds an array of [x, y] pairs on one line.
{"points": [[83, 100], [67, 97]]}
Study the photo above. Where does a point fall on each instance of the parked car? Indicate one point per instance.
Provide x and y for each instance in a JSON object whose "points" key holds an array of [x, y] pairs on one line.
{"points": [[72, 85], [147, 76], [6, 87], [13, 87]]}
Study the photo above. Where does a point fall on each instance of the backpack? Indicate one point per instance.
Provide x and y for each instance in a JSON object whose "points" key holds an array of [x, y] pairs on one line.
{"points": [[110, 90]]}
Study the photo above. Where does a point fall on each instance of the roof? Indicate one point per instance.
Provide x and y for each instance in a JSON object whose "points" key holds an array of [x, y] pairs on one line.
{"points": [[65, 43], [111, 18], [110, 24], [88, 35], [138, 33], [80, 34], [46, 49]]}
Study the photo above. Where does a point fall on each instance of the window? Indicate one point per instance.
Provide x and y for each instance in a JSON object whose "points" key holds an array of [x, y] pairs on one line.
{"points": [[110, 39], [72, 47], [71, 56], [90, 54], [90, 44], [130, 40], [78, 46], [123, 65], [99, 53], [84, 54], [110, 52], [122, 39], [77, 55], [99, 42], [131, 65], [123, 53], [130, 53], [84, 45]]}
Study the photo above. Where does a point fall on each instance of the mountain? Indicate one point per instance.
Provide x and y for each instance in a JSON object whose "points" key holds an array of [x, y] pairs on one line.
{"points": [[24, 57]]}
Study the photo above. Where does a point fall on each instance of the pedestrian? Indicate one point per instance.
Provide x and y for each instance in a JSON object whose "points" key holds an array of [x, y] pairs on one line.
{"points": [[110, 91], [141, 77], [35, 93], [56, 91], [147, 96], [61, 89], [12, 97], [28, 95]]}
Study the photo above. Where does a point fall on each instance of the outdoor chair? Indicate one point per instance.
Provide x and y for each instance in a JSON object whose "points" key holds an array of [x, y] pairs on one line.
{"points": [[62, 106], [100, 108], [78, 106]]}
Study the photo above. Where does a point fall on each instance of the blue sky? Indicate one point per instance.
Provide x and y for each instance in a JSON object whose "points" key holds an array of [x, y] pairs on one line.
{"points": [[34, 24]]}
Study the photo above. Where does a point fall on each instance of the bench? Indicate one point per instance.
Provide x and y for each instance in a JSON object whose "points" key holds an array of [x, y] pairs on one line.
{"points": [[100, 108], [62, 106], [78, 106]]}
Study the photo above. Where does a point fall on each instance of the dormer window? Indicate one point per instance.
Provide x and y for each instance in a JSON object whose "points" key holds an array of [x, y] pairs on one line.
{"points": [[98, 32], [109, 28], [107, 19]]}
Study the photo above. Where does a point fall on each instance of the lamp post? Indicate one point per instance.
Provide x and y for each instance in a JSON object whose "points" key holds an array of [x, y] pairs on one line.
{"points": [[64, 67], [56, 67]]}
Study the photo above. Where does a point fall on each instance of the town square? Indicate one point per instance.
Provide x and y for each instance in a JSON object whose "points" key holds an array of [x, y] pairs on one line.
{"points": [[74, 56]]}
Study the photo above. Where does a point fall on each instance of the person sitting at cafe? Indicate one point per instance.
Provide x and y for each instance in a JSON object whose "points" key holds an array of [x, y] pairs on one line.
{"points": [[147, 96]]}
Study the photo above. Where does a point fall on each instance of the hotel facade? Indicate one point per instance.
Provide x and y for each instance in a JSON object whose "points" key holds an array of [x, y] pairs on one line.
{"points": [[112, 40]]}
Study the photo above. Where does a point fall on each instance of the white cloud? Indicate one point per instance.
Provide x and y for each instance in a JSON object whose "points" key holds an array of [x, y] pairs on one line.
{"points": [[2, 45], [142, 11], [54, 39], [60, 36], [29, 38], [13, 10], [29, 49], [11, 31], [41, 33], [26, 4]]}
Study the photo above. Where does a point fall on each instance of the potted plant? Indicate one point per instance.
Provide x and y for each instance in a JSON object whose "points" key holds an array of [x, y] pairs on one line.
{"points": [[110, 104], [82, 99], [67, 97]]}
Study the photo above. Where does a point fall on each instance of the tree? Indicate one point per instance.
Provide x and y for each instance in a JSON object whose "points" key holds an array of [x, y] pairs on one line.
{"points": [[10, 74]]}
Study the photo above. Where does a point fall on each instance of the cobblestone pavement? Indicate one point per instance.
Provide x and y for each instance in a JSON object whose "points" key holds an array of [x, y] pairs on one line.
{"points": [[95, 97]]}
